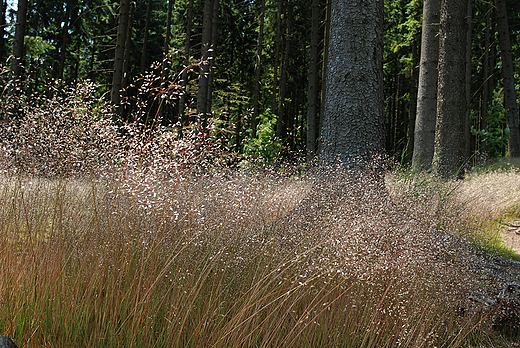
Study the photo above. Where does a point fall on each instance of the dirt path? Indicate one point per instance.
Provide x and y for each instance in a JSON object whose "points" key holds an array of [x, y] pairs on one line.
{"points": [[511, 234]]}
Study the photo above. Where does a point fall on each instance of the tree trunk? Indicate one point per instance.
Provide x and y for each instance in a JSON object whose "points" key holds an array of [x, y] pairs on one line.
{"points": [[486, 85], [353, 123], [281, 123], [451, 126], [513, 144], [258, 70], [3, 10], [212, 55], [184, 75], [18, 43], [64, 40], [424, 136], [168, 27], [144, 52], [277, 45], [412, 107], [202, 95], [117, 77], [312, 107], [17, 60]]}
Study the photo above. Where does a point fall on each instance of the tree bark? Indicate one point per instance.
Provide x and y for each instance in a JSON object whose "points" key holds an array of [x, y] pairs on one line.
{"points": [[202, 95], [18, 43], [353, 122], [424, 137], [258, 70], [312, 105], [3, 8], [451, 126], [513, 144], [281, 123], [168, 27], [144, 52], [117, 77], [212, 55], [187, 50]]}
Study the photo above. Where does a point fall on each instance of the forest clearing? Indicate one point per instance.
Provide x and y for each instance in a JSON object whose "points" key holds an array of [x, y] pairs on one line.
{"points": [[260, 173]]}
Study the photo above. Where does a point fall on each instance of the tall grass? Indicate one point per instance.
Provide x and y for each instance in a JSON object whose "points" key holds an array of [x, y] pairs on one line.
{"points": [[149, 243]]}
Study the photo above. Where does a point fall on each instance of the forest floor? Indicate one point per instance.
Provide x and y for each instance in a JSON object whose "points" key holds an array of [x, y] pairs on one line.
{"points": [[511, 233]]}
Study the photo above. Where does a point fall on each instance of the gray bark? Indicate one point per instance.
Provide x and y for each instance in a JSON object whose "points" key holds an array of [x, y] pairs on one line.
{"points": [[451, 125], [424, 136], [6, 342], [353, 123], [510, 104], [122, 32], [312, 107]]}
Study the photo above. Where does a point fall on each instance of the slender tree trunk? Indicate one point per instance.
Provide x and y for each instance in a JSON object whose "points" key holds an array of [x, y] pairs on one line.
{"points": [[424, 136], [258, 70], [3, 10], [486, 76], [184, 75], [353, 129], [144, 52], [412, 108], [17, 60], [281, 124], [202, 95], [467, 119], [168, 27], [513, 145], [122, 33], [212, 54], [451, 126], [312, 107], [64, 40], [277, 45], [18, 43]]}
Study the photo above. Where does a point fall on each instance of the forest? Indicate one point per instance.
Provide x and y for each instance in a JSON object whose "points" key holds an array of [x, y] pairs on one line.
{"points": [[259, 173], [258, 66]]}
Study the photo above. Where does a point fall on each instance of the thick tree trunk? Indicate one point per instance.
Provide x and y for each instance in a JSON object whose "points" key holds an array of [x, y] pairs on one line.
{"points": [[353, 123], [312, 105], [144, 52], [509, 80], [117, 77], [258, 70], [424, 136], [451, 126]]}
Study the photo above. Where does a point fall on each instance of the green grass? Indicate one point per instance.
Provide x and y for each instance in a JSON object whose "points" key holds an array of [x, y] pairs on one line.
{"points": [[226, 260]]}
